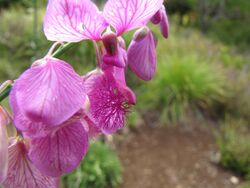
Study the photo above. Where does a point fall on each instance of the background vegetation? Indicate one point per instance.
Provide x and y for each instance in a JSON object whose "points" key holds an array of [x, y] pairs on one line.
{"points": [[203, 68], [100, 168]]}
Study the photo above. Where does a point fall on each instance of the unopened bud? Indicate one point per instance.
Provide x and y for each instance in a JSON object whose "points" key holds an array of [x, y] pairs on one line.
{"points": [[142, 54], [161, 18], [140, 34], [110, 42], [156, 19], [164, 24]]}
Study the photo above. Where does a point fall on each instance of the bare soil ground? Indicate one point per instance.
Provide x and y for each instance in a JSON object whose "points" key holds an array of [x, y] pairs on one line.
{"points": [[171, 157]]}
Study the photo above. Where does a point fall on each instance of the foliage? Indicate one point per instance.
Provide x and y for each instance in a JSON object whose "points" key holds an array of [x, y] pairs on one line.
{"points": [[182, 82], [100, 169], [244, 185], [24, 3], [16, 31], [238, 105], [234, 145], [7, 3], [221, 18]]}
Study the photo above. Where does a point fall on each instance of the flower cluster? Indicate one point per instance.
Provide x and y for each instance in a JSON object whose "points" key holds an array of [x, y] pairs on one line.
{"points": [[56, 111]]}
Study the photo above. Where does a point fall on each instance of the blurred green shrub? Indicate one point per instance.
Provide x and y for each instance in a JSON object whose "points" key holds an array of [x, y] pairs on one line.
{"points": [[17, 44], [234, 146], [238, 105], [16, 32], [134, 119], [25, 3], [7, 3], [182, 82], [100, 168], [244, 185], [226, 20]]}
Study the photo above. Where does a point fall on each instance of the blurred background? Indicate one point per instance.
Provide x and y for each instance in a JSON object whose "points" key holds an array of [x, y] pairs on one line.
{"points": [[191, 126]]}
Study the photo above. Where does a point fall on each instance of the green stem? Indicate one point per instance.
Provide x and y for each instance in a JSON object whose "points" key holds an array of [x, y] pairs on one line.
{"points": [[59, 52], [62, 49], [5, 92]]}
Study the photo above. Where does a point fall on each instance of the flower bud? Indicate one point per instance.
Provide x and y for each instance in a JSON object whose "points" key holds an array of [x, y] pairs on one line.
{"points": [[142, 54], [110, 42], [156, 19], [164, 24], [161, 18]]}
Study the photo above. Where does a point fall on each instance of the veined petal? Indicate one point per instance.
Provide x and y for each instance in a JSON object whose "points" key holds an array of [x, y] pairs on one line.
{"points": [[24, 124], [109, 102], [73, 21], [4, 120], [61, 151], [93, 130], [49, 92], [125, 15], [142, 54], [22, 173]]}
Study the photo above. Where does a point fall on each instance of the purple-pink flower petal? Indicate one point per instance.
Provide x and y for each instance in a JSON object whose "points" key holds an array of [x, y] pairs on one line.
{"points": [[49, 92], [109, 102], [93, 130], [73, 21], [118, 60], [142, 54], [22, 173], [24, 124], [156, 19], [61, 151], [125, 15], [4, 120]]}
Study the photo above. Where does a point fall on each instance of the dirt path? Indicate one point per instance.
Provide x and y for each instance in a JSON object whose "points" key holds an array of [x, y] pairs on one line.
{"points": [[171, 158]]}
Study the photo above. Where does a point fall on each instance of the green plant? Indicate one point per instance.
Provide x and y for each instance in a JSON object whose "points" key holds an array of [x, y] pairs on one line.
{"points": [[238, 105], [234, 145], [244, 185], [100, 168], [181, 82]]}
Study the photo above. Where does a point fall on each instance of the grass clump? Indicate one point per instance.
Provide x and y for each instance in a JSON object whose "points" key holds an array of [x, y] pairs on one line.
{"points": [[182, 82], [234, 146], [100, 168], [244, 185]]}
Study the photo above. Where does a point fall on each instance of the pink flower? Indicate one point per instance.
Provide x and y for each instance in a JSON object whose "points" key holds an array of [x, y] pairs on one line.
{"points": [[73, 21], [53, 150], [142, 54], [22, 173], [110, 100], [49, 92], [4, 120], [55, 111]]}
